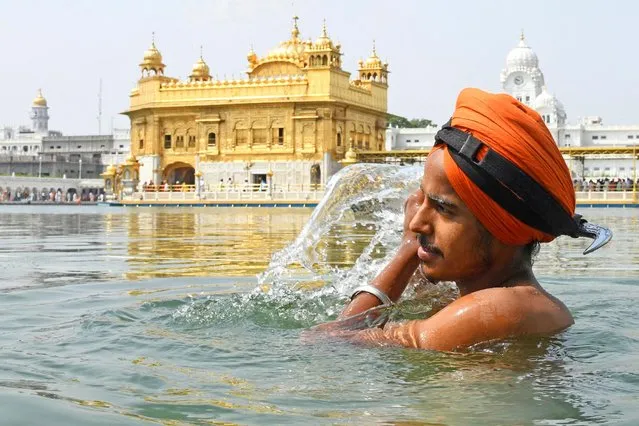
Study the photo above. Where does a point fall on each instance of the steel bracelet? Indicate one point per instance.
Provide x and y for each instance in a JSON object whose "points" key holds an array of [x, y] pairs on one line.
{"points": [[381, 296]]}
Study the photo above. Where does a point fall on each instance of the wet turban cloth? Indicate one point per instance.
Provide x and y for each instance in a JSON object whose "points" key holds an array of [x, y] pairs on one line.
{"points": [[518, 134]]}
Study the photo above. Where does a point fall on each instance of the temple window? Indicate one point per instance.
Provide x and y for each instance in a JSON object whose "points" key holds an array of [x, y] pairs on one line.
{"points": [[212, 140], [179, 142], [339, 139], [167, 141], [278, 135], [141, 145], [241, 137], [604, 137], [259, 136], [594, 138], [191, 141]]}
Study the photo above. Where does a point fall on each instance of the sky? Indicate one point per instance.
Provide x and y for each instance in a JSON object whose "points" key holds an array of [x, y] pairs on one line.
{"points": [[587, 50]]}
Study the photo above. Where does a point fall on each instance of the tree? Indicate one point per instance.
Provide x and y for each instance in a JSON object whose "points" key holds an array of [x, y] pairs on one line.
{"points": [[399, 121]]}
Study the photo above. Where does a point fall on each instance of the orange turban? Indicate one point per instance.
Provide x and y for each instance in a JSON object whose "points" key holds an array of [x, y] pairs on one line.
{"points": [[518, 134]]}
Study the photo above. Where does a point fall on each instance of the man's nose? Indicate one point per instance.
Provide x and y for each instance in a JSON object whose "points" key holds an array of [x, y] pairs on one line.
{"points": [[422, 221]]}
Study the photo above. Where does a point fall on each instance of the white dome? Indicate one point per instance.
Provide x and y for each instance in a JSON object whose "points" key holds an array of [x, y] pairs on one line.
{"points": [[522, 56], [546, 100]]}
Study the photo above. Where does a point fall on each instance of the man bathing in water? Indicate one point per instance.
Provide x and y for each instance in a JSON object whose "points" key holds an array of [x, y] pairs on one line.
{"points": [[494, 186]]}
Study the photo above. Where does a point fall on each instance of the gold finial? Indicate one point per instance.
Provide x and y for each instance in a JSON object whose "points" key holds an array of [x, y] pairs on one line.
{"points": [[521, 35], [296, 31], [39, 100], [324, 32], [374, 50], [201, 52], [153, 39]]}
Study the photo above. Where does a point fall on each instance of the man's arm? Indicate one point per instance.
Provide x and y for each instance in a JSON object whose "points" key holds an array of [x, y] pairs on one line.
{"points": [[395, 276], [482, 316], [392, 280]]}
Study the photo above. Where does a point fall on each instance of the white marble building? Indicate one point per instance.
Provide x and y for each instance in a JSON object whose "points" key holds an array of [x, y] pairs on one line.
{"points": [[523, 79], [27, 140], [37, 151]]}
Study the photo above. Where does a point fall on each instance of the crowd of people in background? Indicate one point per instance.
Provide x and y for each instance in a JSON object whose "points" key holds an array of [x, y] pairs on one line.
{"points": [[224, 185], [165, 186], [52, 195], [604, 184]]}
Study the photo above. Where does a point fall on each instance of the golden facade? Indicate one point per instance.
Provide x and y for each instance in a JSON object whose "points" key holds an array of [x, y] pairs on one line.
{"points": [[294, 117]]}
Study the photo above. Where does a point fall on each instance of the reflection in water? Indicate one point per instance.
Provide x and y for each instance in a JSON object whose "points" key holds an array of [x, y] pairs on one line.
{"points": [[48, 246], [215, 242]]}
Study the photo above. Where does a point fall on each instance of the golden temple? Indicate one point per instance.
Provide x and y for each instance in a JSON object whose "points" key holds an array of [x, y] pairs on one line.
{"points": [[291, 120]]}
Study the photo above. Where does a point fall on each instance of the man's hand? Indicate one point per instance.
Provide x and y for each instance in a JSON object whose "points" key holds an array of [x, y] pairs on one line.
{"points": [[412, 204]]}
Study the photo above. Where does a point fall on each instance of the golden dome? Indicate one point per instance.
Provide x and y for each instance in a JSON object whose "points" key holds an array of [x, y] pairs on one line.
{"points": [[349, 158], [152, 54], [200, 70], [39, 100], [324, 41], [294, 48], [152, 59], [373, 61], [110, 170]]}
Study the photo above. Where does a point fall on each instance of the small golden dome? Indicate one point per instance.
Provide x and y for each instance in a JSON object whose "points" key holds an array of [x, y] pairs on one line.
{"points": [[39, 100], [152, 59], [349, 158], [373, 61], [110, 170], [324, 41], [200, 70], [152, 54]]}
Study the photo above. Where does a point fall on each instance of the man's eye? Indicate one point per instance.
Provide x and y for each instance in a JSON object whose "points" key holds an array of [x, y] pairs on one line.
{"points": [[441, 208]]}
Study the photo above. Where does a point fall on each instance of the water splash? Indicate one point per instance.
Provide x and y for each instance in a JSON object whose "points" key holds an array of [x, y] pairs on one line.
{"points": [[308, 282], [368, 196]]}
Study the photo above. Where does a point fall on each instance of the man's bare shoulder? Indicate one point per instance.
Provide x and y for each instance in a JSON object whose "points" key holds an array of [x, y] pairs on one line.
{"points": [[525, 309], [491, 314]]}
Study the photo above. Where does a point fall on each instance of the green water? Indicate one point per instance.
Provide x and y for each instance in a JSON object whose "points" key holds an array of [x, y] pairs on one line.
{"points": [[142, 316]]}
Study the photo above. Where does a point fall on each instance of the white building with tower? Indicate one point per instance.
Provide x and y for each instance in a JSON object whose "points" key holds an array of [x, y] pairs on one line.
{"points": [[37, 151], [23, 141], [523, 79]]}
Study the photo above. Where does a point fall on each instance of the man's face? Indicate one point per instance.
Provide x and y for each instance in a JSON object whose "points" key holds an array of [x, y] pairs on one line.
{"points": [[454, 246]]}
